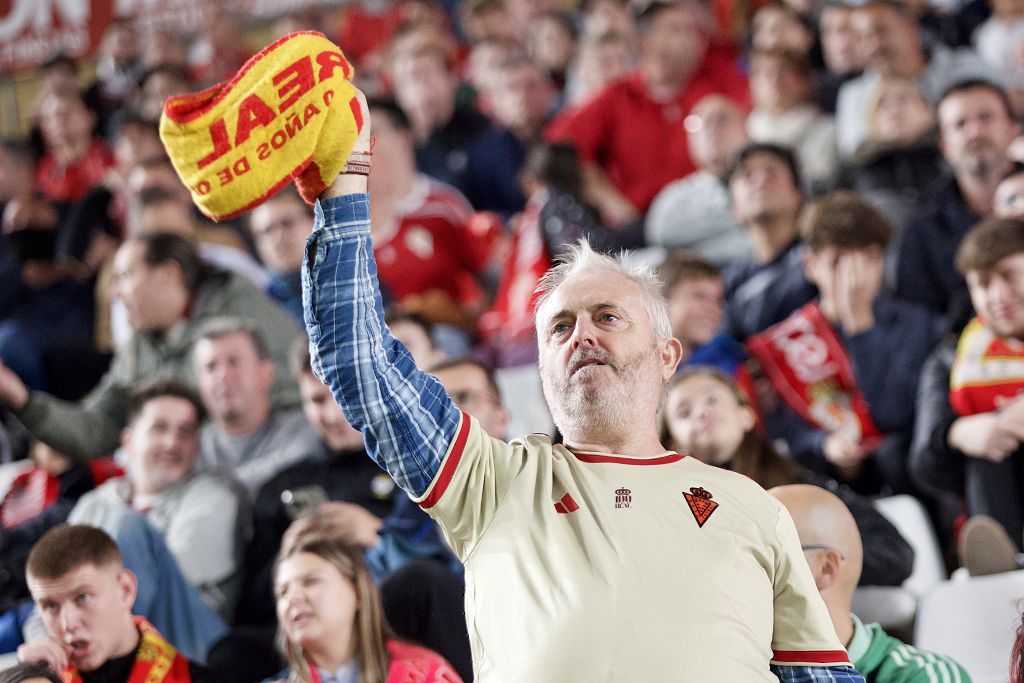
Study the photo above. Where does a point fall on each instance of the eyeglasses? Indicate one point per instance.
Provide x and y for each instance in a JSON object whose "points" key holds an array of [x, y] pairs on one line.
{"points": [[468, 397], [819, 546]]}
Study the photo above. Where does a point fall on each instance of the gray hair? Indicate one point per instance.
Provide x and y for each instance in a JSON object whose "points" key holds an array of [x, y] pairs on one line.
{"points": [[225, 326], [580, 258]]}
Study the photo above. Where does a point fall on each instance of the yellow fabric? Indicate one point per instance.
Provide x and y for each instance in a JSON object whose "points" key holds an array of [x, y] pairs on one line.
{"points": [[289, 114]]}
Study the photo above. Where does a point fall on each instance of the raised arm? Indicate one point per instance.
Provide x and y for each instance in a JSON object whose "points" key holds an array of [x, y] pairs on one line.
{"points": [[407, 419]]}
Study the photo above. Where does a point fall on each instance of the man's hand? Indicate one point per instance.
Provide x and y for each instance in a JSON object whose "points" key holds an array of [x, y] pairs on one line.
{"points": [[857, 282], [48, 650], [985, 436], [346, 522], [1011, 417], [842, 451], [13, 391], [351, 183], [845, 454]]}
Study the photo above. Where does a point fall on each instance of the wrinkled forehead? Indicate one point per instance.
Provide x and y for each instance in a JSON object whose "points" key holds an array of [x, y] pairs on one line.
{"points": [[589, 289]]}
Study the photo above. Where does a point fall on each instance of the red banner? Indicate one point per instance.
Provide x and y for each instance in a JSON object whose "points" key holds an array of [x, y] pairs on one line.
{"points": [[32, 31]]}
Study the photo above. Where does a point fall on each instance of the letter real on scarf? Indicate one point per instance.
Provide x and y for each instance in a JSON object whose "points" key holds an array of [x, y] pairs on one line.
{"points": [[289, 114]]}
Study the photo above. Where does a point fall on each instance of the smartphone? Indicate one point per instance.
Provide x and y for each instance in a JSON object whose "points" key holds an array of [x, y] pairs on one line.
{"points": [[301, 502]]}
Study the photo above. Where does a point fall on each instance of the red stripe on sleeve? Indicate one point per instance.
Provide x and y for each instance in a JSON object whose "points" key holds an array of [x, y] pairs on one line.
{"points": [[451, 463], [813, 656]]}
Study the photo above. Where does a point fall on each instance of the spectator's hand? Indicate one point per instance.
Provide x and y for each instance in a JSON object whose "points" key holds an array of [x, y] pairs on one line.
{"points": [[858, 280], [983, 436], [48, 650], [13, 391], [1011, 418], [842, 451], [347, 522], [348, 183]]}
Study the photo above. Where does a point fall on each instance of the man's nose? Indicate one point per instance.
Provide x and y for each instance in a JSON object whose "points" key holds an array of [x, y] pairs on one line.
{"points": [[69, 620], [584, 334]]}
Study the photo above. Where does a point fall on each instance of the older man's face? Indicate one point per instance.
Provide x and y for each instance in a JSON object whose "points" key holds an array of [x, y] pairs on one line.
{"points": [[598, 351]]}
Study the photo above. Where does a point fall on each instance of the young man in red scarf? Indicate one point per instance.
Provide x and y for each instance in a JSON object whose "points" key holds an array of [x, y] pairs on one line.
{"points": [[987, 376], [85, 596]]}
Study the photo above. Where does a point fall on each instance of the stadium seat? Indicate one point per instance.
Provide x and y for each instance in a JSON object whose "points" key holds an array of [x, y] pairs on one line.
{"points": [[895, 608], [974, 621]]}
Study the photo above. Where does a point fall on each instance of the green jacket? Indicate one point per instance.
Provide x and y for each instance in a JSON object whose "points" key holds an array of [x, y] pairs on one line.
{"points": [[884, 659], [91, 427]]}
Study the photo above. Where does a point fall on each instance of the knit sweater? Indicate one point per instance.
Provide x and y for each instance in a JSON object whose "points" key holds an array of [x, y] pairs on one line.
{"points": [[884, 659]]}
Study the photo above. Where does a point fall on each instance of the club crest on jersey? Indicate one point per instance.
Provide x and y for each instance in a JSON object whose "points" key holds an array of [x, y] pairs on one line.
{"points": [[700, 504], [623, 497]]}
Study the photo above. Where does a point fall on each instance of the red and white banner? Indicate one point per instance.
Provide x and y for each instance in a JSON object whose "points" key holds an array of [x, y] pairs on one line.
{"points": [[32, 31]]}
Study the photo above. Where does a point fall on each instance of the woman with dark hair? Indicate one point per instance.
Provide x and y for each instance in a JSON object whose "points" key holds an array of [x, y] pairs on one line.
{"points": [[331, 625], [707, 416]]}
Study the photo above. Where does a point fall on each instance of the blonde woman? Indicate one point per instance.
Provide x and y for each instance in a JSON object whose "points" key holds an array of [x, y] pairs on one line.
{"points": [[331, 628]]}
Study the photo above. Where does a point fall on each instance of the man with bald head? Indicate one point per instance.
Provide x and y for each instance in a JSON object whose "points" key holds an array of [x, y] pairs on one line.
{"points": [[832, 545]]}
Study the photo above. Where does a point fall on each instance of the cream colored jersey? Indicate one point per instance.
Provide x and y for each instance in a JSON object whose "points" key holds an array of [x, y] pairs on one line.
{"points": [[587, 567]]}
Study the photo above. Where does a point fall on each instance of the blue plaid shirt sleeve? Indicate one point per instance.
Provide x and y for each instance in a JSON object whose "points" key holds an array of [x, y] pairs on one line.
{"points": [[407, 419], [817, 674]]}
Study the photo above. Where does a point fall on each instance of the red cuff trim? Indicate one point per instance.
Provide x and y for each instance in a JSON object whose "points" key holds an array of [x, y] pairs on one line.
{"points": [[813, 656], [451, 463], [620, 460]]}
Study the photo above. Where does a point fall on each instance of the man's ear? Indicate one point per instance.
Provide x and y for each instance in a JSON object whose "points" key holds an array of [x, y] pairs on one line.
{"points": [[671, 354], [807, 259], [126, 437], [831, 564], [128, 584]]}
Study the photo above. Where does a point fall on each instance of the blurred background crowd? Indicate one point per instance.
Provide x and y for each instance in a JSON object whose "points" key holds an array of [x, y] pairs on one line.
{"points": [[803, 174]]}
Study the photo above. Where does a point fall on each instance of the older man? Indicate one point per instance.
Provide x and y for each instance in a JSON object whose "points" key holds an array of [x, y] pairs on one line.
{"points": [[832, 544], [168, 293], [603, 558], [246, 436]]}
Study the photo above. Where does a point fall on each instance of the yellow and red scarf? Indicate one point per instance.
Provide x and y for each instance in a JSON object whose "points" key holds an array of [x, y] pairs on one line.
{"points": [[156, 660], [810, 369], [988, 370], [289, 114]]}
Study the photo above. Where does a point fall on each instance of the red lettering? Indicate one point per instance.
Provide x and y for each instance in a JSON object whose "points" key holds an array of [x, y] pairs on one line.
{"points": [[328, 62], [328, 96], [263, 151], [202, 188], [300, 84], [241, 167], [310, 112], [292, 126], [251, 113], [221, 145], [278, 139], [224, 176]]}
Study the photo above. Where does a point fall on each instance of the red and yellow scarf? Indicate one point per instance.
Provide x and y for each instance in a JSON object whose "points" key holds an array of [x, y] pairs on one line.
{"points": [[156, 660], [988, 370]]}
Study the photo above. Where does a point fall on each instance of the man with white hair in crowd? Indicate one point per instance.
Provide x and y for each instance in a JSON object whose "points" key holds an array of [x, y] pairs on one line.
{"points": [[615, 554]]}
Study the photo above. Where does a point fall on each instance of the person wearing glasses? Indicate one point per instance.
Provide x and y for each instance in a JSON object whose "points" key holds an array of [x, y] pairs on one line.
{"points": [[832, 545]]}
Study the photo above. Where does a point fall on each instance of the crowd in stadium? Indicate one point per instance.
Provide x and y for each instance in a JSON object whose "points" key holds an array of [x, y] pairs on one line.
{"points": [[832, 194]]}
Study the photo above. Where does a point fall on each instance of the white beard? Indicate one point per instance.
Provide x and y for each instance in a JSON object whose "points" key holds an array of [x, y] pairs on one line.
{"points": [[593, 409]]}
